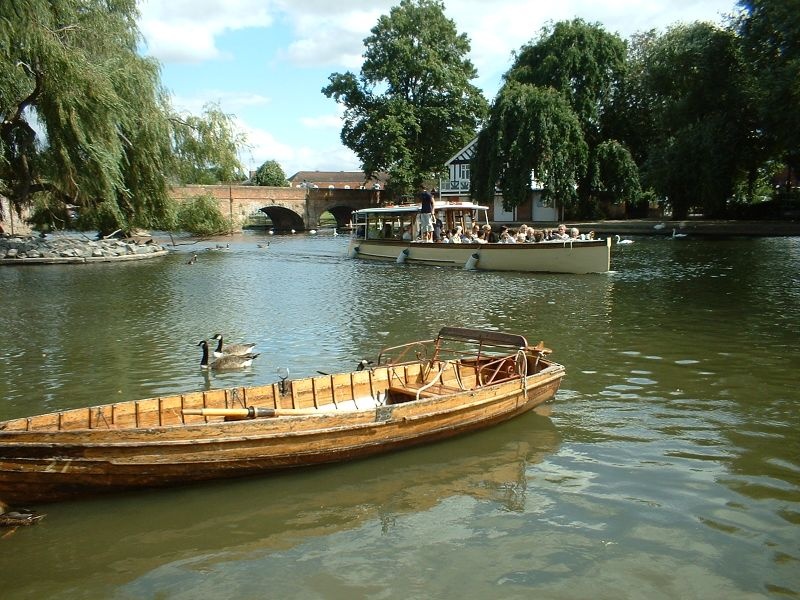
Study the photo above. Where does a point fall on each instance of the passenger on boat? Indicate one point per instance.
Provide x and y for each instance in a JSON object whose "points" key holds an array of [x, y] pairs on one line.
{"points": [[561, 233], [574, 234], [438, 228], [426, 215], [491, 236], [407, 233], [455, 235]]}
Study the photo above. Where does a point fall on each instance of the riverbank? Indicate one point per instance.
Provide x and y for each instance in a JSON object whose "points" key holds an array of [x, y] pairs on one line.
{"points": [[694, 227], [60, 249]]}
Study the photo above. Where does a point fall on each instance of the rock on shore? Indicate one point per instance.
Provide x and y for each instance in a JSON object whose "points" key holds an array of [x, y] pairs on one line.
{"points": [[56, 249]]}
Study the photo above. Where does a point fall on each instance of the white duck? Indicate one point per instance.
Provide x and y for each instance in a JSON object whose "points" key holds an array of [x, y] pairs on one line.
{"points": [[231, 349], [675, 234], [621, 241]]}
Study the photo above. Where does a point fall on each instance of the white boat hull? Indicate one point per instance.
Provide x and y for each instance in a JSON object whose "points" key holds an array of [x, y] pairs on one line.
{"points": [[589, 256]]}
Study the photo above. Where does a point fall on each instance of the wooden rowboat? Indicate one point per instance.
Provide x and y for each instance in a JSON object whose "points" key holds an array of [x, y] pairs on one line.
{"points": [[419, 392]]}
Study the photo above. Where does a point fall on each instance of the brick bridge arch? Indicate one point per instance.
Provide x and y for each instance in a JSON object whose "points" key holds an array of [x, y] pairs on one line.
{"points": [[287, 208]]}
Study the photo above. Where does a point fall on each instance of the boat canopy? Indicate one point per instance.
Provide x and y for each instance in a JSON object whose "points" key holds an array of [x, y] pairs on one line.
{"points": [[439, 205], [391, 222]]}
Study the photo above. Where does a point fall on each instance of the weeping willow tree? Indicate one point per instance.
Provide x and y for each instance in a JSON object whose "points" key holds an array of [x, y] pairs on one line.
{"points": [[551, 116], [207, 147], [84, 117], [531, 130]]}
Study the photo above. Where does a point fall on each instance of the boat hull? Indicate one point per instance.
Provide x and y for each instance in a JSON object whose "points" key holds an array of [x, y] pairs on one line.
{"points": [[42, 468], [582, 256]]}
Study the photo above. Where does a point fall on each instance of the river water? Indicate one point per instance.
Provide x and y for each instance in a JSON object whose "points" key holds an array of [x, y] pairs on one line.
{"points": [[667, 467]]}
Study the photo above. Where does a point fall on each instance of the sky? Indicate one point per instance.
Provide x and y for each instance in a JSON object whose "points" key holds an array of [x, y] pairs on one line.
{"points": [[265, 62]]}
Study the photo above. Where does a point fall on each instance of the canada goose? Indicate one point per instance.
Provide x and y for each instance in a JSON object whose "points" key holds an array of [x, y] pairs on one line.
{"points": [[231, 349], [363, 364], [229, 361], [192, 260], [621, 241]]}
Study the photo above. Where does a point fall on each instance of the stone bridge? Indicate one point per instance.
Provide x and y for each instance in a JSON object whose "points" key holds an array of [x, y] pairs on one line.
{"points": [[288, 208]]}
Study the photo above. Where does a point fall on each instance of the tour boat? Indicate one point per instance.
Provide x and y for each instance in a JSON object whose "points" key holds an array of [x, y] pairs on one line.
{"points": [[378, 234], [414, 393]]}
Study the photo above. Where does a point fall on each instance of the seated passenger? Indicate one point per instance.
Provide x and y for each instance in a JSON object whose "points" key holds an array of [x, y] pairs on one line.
{"points": [[574, 234], [438, 228], [561, 233], [407, 233]]}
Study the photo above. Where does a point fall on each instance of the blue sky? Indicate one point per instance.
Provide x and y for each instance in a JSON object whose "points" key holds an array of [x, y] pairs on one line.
{"points": [[265, 61]]}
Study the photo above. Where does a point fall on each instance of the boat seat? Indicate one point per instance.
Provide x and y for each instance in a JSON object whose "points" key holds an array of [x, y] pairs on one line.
{"points": [[408, 392]]}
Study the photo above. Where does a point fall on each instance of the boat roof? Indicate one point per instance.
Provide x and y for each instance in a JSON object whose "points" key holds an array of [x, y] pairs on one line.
{"points": [[415, 208]]}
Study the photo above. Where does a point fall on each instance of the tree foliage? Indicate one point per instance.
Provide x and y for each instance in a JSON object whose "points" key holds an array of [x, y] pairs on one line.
{"points": [[581, 61], [82, 113], [201, 215], [700, 140], [614, 173], [86, 122], [207, 148], [581, 64], [270, 173], [412, 106], [531, 130], [770, 34]]}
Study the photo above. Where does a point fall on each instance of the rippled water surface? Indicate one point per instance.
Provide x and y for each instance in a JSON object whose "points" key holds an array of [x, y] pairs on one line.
{"points": [[667, 467]]}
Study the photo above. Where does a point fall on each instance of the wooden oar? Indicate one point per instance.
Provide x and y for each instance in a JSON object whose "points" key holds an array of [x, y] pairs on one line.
{"points": [[251, 412]]}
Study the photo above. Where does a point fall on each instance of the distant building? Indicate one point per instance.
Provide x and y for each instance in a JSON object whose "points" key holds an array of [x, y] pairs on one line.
{"points": [[343, 180]]}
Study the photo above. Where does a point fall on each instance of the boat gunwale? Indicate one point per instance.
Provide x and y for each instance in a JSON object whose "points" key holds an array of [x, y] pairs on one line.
{"points": [[553, 371]]}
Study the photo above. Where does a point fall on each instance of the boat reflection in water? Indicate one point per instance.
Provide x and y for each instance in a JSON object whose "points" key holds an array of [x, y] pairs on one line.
{"points": [[220, 522]]}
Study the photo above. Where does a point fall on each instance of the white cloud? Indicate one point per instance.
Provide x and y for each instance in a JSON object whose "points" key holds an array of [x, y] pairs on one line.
{"points": [[186, 30], [322, 122], [230, 101], [263, 146]]}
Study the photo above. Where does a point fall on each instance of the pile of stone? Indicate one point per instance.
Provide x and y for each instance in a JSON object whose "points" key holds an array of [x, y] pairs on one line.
{"points": [[74, 250]]}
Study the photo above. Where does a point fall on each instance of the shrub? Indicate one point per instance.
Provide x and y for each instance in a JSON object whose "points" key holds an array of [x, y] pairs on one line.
{"points": [[200, 215]]}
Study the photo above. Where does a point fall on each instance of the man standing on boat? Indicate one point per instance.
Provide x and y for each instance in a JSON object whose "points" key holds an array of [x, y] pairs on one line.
{"points": [[426, 215]]}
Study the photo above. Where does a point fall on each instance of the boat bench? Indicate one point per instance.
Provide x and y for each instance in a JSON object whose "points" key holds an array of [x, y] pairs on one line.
{"points": [[398, 394]]}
